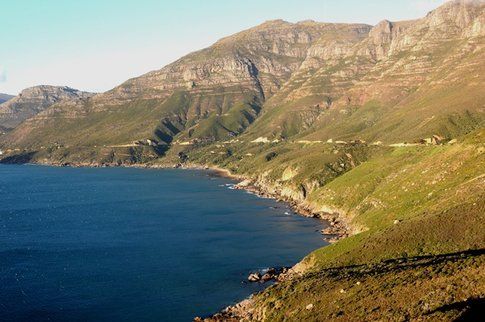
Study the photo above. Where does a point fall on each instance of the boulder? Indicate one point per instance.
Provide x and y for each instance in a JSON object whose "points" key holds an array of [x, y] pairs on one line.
{"points": [[437, 139], [267, 277], [254, 277]]}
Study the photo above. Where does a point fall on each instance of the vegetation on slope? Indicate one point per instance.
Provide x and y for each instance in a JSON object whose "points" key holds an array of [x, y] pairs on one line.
{"points": [[403, 202], [289, 107], [430, 288]]}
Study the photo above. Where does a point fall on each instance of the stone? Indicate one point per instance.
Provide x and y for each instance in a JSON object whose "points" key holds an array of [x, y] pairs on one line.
{"points": [[271, 271], [309, 307], [267, 277], [254, 277], [437, 139]]}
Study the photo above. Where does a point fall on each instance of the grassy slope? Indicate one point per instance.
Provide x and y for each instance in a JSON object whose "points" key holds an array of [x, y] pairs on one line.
{"points": [[441, 288], [436, 194], [156, 119], [117, 125]]}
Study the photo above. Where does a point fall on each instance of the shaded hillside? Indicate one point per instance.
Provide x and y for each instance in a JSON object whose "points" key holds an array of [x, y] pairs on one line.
{"points": [[426, 288], [5, 97]]}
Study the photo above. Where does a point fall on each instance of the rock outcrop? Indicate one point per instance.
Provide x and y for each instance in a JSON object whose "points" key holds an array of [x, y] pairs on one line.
{"points": [[394, 64], [34, 100], [281, 79]]}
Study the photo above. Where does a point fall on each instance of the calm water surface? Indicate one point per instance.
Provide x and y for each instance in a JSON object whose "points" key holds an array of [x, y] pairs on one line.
{"points": [[134, 244]]}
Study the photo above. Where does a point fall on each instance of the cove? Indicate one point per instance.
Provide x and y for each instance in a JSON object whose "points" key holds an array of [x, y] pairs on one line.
{"points": [[126, 244]]}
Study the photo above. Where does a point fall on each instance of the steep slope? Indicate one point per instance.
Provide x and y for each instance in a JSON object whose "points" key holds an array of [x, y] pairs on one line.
{"points": [[208, 95], [279, 80], [34, 100], [402, 206], [5, 97], [375, 89]]}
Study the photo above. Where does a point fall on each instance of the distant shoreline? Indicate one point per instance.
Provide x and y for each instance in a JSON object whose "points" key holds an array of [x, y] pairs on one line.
{"points": [[243, 183], [338, 228]]}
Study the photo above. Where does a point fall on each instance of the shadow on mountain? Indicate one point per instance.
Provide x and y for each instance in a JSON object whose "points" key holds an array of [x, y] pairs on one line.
{"points": [[161, 149], [20, 158], [473, 309], [396, 264]]}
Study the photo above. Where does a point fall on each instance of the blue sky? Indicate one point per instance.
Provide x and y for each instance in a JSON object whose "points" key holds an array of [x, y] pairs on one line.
{"points": [[97, 44]]}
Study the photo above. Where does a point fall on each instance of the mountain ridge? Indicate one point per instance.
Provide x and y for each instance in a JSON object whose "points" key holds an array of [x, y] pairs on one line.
{"points": [[303, 68], [34, 100], [378, 130], [5, 97]]}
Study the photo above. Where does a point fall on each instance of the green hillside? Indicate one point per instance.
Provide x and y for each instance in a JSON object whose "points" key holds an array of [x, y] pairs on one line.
{"points": [[378, 130]]}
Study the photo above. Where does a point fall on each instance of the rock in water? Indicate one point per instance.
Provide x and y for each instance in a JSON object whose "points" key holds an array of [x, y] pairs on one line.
{"points": [[254, 277]]}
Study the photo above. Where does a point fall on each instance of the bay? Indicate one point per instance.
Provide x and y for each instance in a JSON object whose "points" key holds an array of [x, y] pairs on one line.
{"points": [[126, 244]]}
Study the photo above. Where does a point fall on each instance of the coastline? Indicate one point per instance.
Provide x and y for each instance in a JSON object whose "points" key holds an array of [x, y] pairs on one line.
{"points": [[337, 228]]}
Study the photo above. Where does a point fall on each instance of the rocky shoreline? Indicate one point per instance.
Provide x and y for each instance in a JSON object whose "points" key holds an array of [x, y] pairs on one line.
{"points": [[243, 310], [338, 228]]}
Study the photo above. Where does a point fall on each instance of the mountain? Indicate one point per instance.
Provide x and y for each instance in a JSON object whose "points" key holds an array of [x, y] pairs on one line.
{"points": [[315, 81], [5, 97], [374, 89], [212, 94], [377, 129], [33, 100]]}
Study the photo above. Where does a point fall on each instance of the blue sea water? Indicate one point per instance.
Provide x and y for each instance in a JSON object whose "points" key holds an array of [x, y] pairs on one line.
{"points": [[124, 244]]}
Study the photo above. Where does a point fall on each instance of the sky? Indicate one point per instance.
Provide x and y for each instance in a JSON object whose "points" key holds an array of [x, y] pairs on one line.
{"points": [[95, 45]]}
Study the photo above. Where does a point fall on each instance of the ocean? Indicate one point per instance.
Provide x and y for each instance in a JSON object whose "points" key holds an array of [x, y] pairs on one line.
{"points": [[126, 244]]}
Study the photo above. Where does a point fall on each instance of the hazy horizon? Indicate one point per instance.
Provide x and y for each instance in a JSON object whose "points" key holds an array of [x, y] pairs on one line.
{"points": [[97, 45]]}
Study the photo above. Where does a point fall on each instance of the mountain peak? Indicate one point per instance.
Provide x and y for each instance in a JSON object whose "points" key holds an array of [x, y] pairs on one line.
{"points": [[33, 90], [34, 100], [274, 23], [464, 3], [465, 17]]}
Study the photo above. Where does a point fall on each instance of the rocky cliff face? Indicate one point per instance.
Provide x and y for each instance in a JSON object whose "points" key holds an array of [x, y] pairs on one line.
{"points": [[34, 100], [259, 59], [351, 94], [280, 80], [212, 94]]}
